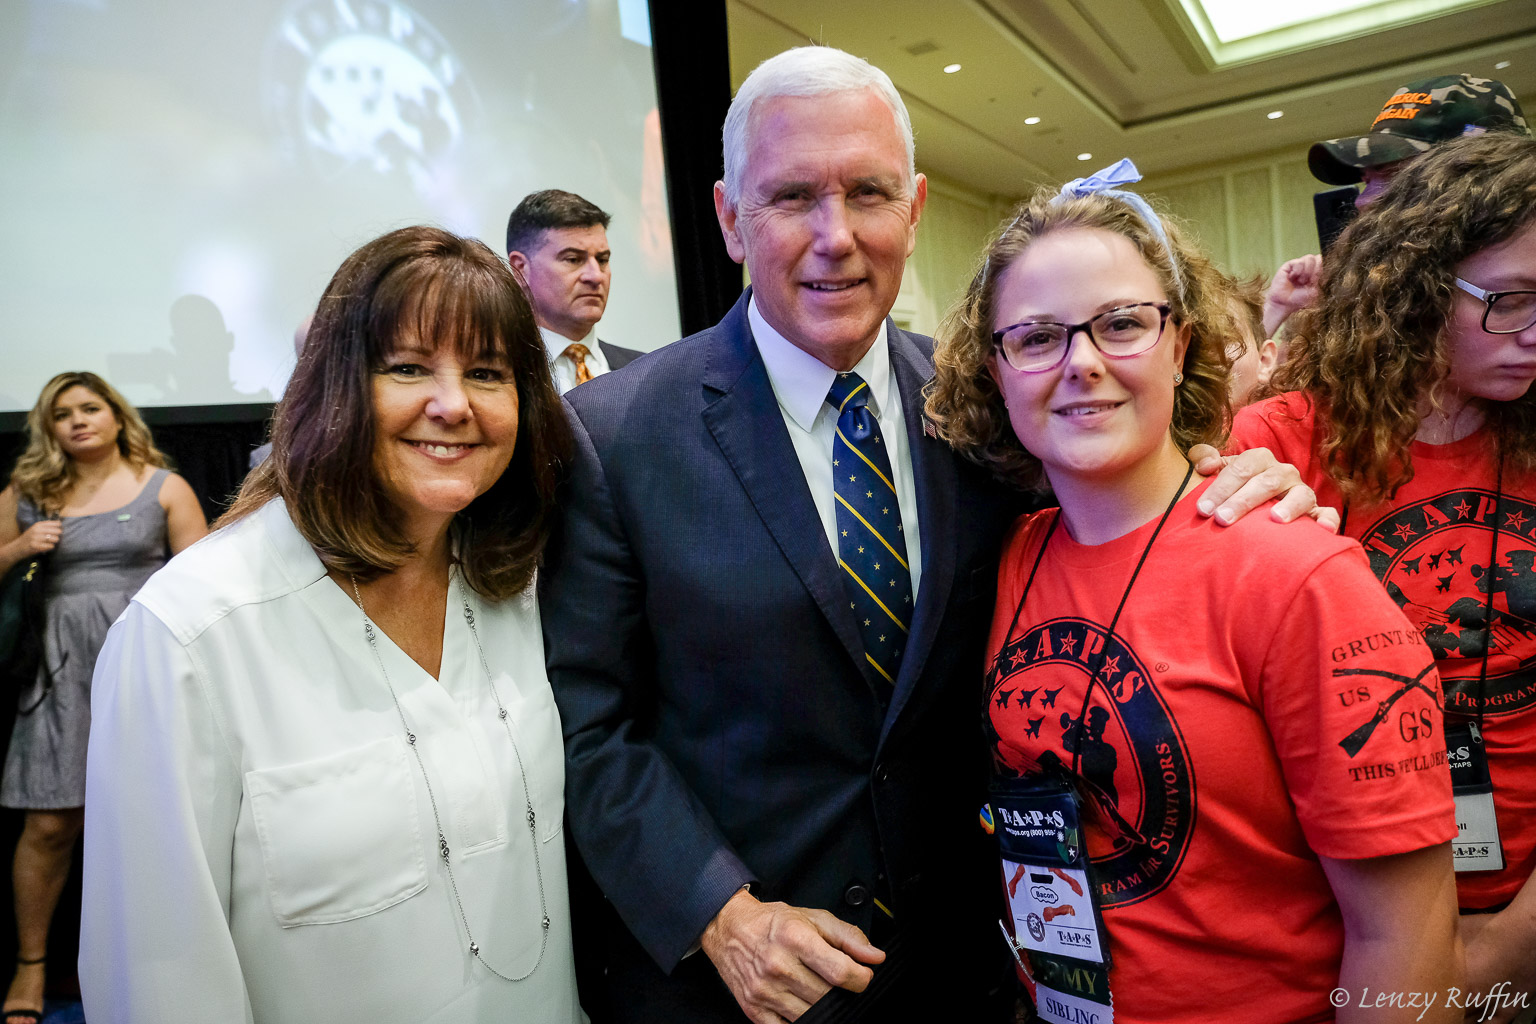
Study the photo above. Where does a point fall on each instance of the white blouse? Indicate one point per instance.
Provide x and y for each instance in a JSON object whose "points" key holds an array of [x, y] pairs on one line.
{"points": [[260, 842]]}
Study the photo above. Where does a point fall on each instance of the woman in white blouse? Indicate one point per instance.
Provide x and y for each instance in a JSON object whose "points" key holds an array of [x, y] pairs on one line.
{"points": [[325, 768]]}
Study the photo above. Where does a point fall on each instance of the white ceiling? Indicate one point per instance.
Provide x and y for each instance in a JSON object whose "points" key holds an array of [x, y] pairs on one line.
{"points": [[1122, 78]]}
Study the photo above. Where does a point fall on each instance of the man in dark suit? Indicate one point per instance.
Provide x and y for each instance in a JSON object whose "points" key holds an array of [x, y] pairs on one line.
{"points": [[557, 244], [772, 733]]}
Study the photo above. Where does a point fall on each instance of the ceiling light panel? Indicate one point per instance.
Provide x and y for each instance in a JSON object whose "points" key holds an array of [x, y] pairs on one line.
{"points": [[1242, 31]]}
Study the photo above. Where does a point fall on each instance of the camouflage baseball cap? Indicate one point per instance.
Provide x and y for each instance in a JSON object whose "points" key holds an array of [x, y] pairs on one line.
{"points": [[1417, 117]]}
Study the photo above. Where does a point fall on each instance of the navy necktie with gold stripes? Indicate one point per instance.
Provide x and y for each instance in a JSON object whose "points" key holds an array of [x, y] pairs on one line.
{"points": [[871, 545]]}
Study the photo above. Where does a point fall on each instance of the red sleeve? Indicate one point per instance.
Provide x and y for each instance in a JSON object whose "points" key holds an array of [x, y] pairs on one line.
{"points": [[1352, 701]]}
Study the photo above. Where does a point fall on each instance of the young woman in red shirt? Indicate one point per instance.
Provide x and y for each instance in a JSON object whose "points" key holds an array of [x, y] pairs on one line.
{"points": [[1221, 787], [1407, 401]]}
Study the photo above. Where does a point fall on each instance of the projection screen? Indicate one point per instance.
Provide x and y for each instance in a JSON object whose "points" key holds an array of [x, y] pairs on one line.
{"points": [[180, 179]]}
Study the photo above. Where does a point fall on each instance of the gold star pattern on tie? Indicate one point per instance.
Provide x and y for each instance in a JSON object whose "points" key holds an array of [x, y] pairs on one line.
{"points": [[866, 499]]}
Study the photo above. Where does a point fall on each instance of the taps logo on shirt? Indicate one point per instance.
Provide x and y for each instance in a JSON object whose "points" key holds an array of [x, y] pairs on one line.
{"points": [[1433, 557], [1131, 759]]}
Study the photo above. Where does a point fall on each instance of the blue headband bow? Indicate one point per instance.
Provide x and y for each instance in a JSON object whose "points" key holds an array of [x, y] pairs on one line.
{"points": [[1104, 183]]}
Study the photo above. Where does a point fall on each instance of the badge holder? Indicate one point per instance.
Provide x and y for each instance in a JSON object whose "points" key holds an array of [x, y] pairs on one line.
{"points": [[1055, 929], [1477, 846]]}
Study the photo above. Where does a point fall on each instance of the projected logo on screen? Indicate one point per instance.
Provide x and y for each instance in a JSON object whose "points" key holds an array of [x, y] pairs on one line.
{"points": [[364, 85]]}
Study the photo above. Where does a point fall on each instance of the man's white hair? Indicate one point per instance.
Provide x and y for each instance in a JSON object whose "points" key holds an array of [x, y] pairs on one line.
{"points": [[804, 71]]}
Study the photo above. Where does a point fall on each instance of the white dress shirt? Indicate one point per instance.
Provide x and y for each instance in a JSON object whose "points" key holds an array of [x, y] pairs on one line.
{"points": [[260, 842], [563, 366], [800, 383]]}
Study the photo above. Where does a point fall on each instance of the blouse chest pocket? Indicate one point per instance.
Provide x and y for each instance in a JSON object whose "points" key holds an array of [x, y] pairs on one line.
{"points": [[340, 836], [535, 723]]}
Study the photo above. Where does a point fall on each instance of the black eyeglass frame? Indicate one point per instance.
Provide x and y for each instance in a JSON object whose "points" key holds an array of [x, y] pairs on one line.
{"points": [[1164, 309], [1489, 298]]}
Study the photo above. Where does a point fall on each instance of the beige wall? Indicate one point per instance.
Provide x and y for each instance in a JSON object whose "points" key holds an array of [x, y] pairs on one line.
{"points": [[956, 224], [1250, 216]]}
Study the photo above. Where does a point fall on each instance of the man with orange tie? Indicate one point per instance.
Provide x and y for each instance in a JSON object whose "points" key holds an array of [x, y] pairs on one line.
{"points": [[557, 244]]}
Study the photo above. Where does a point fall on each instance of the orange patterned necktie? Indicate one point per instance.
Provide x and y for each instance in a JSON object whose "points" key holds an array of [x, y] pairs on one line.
{"points": [[577, 353]]}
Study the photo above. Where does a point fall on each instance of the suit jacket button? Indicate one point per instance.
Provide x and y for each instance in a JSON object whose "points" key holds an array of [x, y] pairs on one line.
{"points": [[855, 895]]}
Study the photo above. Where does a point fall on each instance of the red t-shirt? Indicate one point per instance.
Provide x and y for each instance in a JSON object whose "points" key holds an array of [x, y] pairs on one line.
{"points": [[1245, 662], [1430, 545]]}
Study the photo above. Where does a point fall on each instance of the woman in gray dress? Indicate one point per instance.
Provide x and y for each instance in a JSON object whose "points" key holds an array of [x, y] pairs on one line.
{"points": [[90, 492]]}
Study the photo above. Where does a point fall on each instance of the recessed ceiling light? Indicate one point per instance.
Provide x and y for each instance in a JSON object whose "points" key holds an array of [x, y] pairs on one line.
{"points": [[1031, 120], [950, 69], [1085, 156], [1275, 115], [1501, 65]]}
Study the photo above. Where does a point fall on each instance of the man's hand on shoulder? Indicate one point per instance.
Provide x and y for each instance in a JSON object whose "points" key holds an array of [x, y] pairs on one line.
{"points": [[777, 960], [1249, 479]]}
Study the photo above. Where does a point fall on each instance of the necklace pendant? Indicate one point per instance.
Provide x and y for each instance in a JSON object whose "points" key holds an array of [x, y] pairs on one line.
{"points": [[501, 713], [546, 922], [474, 949], [410, 738], [530, 818], [442, 846]]}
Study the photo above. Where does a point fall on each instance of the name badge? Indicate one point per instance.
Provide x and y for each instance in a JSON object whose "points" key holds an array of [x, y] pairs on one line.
{"points": [[1477, 846], [1054, 920]]}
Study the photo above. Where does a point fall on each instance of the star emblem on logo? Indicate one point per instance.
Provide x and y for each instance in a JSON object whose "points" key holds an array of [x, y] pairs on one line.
{"points": [[1515, 519], [1404, 531], [1463, 510]]}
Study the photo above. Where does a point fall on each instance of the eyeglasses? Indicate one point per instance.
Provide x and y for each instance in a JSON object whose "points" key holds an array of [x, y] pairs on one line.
{"points": [[1507, 312], [1119, 333]]}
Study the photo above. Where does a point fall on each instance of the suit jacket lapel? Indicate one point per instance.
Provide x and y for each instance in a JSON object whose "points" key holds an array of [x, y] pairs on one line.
{"points": [[933, 468], [743, 415]]}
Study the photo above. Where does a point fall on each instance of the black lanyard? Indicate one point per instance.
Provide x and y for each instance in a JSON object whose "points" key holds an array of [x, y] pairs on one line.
{"points": [[1493, 579], [1098, 663]]}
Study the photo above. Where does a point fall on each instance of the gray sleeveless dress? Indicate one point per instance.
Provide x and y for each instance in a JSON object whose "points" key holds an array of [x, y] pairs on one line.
{"points": [[101, 561]]}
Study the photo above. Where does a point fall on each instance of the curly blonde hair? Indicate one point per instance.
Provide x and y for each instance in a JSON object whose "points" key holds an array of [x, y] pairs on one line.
{"points": [[1373, 352], [963, 401], [1247, 297], [44, 473]]}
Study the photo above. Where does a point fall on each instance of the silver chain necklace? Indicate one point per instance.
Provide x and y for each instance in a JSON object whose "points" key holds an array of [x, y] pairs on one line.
{"points": [[442, 839]]}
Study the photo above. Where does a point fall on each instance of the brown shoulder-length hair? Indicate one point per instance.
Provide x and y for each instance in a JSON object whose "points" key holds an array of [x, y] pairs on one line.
{"points": [[426, 283], [44, 473], [963, 400], [1374, 348]]}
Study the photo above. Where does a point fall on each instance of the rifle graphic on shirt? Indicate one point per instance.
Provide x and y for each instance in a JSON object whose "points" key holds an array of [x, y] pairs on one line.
{"points": [[1356, 740]]}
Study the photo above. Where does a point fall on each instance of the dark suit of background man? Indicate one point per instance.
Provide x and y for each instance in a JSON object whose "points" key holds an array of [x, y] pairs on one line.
{"points": [[748, 790], [557, 243]]}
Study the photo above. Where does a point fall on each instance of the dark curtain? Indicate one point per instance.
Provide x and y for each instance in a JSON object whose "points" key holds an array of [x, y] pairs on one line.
{"points": [[693, 92], [208, 445]]}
